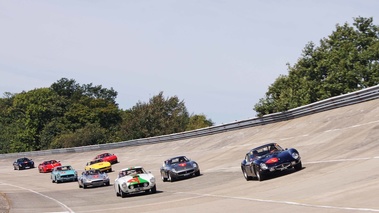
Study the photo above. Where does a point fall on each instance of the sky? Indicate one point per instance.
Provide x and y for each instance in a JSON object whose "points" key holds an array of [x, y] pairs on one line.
{"points": [[218, 56]]}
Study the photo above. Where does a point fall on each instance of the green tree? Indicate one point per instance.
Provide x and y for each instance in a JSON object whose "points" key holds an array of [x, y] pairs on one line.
{"points": [[158, 117], [198, 122], [32, 111], [346, 61]]}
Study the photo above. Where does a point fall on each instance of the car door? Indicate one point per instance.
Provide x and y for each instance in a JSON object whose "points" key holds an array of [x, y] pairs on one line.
{"points": [[249, 165]]}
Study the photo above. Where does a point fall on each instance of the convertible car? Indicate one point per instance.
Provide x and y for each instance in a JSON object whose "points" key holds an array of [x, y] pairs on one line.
{"points": [[99, 164], [178, 167], [269, 158], [134, 180], [23, 163], [111, 158], [48, 166], [63, 174], [93, 178]]}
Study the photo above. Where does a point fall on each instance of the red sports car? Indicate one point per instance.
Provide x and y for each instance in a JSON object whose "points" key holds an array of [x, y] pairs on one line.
{"points": [[111, 158], [48, 166]]}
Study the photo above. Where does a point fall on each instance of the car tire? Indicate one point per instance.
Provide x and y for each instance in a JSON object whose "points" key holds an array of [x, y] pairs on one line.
{"points": [[84, 186], [169, 177], [245, 175], [298, 166], [122, 194], [154, 189], [259, 174], [162, 177], [197, 173]]}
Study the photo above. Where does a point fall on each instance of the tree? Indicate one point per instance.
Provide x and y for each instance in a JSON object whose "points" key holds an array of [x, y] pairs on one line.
{"points": [[158, 117], [346, 61], [198, 122]]}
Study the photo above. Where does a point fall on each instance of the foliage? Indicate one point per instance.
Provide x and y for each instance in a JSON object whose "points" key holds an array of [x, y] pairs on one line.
{"points": [[158, 117], [68, 115], [198, 122], [345, 61]]}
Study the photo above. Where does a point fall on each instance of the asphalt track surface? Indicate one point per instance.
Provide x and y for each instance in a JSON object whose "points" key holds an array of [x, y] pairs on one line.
{"points": [[339, 150]]}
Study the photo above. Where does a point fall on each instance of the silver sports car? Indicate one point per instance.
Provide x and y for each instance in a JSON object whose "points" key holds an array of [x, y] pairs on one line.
{"points": [[93, 178]]}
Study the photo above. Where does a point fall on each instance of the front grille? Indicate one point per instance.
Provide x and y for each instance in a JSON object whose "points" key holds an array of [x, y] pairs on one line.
{"points": [[186, 172], [138, 185], [67, 176]]}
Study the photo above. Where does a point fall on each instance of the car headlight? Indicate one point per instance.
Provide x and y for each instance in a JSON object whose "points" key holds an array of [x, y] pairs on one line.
{"points": [[152, 180], [174, 170], [194, 165], [123, 185], [295, 155], [263, 166]]}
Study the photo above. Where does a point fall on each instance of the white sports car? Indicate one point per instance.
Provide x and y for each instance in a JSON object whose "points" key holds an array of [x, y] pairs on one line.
{"points": [[134, 180]]}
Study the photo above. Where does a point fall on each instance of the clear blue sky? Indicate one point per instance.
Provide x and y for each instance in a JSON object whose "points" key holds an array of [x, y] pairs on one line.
{"points": [[218, 56]]}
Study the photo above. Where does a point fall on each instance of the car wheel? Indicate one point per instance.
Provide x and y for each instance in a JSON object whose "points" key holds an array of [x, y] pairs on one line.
{"points": [[84, 186], [154, 189], [122, 193], [298, 166], [169, 178], [107, 183], [247, 177], [162, 177], [197, 173], [259, 175]]}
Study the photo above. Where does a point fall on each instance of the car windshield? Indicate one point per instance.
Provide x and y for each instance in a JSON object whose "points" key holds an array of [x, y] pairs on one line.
{"points": [[96, 161], [64, 168], [178, 160], [132, 171], [263, 150], [23, 159], [92, 172]]}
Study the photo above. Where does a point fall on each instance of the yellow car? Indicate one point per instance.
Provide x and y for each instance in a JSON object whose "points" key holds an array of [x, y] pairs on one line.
{"points": [[99, 164]]}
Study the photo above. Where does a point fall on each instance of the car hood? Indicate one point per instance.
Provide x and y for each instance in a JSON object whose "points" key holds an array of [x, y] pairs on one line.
{"points": [[135, 179], [100, 165], [183, 166], [68, 172], [95, 177], [280, 154]]}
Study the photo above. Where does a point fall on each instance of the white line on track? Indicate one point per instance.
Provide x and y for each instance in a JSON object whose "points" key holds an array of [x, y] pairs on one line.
{"points": [[341, 160], [45, 196], [285, 202], [144, 205]]}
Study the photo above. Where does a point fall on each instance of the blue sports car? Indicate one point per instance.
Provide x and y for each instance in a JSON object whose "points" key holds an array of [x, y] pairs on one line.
{"points": [[23, 163], [63, 174], [269, 158]]}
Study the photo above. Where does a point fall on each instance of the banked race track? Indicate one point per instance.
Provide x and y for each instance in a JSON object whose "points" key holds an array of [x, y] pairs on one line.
{"points": [[339, 150]]}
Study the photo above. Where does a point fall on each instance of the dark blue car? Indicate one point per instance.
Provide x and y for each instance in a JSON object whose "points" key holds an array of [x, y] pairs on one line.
{"points": [[269, 158], [23, 163], [179, 167]]}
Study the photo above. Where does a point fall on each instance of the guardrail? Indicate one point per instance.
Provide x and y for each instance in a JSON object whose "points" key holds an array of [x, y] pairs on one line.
{"points": [[360, 96]]}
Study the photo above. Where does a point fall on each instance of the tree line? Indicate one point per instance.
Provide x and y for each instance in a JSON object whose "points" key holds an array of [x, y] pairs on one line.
{"points": [[68, 114], [345, 61]]}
